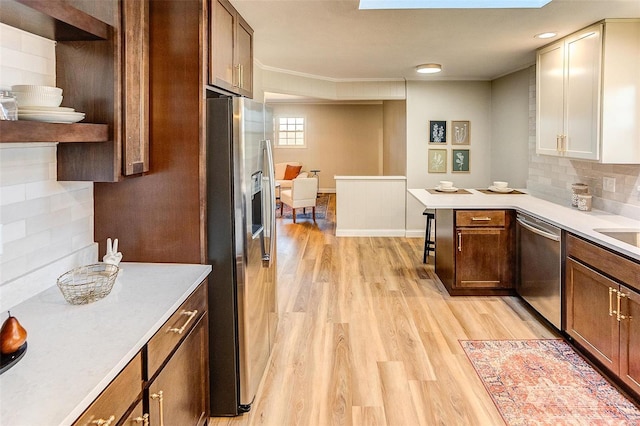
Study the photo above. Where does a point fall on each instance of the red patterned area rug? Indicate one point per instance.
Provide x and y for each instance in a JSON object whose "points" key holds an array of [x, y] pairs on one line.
{"points": [[321, 209], [545, 382]]}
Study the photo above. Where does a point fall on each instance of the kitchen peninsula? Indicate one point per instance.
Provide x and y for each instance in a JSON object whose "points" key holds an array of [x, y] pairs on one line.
{"points": [[75, 351], [570, 219], [593, 295]]}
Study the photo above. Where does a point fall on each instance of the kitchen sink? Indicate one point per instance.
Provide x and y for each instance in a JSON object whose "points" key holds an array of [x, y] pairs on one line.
{"points": [[626, 235]]}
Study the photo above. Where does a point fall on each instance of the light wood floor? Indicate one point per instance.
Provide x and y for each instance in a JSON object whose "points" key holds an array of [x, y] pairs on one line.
{"points": [[369, 336]]}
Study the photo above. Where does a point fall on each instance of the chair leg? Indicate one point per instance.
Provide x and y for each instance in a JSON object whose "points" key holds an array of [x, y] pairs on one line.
{"points": [[281, 204], [293, 213], [314, 213]]}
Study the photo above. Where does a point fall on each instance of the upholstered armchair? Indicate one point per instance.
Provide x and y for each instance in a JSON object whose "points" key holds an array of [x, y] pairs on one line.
{"points": [[303, 193], [284, 175]]}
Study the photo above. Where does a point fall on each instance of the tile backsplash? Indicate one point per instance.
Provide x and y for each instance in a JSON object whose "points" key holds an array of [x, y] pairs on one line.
{"points": [[551, 177], [46, 225]]}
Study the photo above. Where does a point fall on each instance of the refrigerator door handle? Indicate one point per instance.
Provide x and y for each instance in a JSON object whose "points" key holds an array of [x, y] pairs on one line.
{"points": [[271, 204]]}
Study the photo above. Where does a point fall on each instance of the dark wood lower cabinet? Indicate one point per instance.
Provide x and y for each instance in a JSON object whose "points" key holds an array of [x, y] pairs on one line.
{"points": [[589, 303], [480, 258], [178, 395], [475, 251], [603, 310], [167, 383]]}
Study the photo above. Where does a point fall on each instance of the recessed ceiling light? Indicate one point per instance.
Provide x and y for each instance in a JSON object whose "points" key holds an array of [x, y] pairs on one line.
{"points": [[429, 68], [451, 4], [546, 35]]}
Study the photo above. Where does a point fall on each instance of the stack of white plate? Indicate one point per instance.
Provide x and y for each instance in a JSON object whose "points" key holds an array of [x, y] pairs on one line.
{"points": [[42, 103]]}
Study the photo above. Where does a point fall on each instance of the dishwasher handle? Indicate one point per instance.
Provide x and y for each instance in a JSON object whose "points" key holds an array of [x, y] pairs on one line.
{"points": [[538, 231]]}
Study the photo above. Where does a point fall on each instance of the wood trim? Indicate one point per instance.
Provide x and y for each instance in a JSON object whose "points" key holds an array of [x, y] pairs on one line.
{"points": [[52, 19], [33, 131]]}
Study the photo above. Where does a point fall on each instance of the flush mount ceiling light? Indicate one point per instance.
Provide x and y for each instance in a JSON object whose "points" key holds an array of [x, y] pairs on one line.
{"points": [[451, 4], [429, 68], [549, 34]]}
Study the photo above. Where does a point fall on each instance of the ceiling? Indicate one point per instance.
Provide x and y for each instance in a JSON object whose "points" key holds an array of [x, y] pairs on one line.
{"points": [[335, 40]]}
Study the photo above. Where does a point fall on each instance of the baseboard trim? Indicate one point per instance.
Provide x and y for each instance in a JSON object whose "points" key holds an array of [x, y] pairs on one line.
{"points": [[370, 232], [414, 233]]}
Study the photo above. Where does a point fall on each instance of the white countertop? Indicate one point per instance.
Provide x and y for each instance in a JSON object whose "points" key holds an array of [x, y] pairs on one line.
{"points": [[74, 352], [571, 219]]}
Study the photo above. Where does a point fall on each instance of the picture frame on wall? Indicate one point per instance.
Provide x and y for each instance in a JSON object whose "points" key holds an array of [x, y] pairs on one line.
{"points": [[438, 131], [460, 161], [437, 161], [460, 132]]}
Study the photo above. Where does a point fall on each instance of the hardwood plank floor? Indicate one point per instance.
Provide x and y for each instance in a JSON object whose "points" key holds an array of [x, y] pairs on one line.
{"points": [[369, 336]]}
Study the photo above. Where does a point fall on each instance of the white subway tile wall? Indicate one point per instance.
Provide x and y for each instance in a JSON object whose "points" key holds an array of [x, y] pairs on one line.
{"points": [[47, 226], [551, 177]]}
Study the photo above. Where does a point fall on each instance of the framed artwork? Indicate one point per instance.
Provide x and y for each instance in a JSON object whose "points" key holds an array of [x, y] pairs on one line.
{"points": [[461, 133], [461, 160], [437, 131], [437, 161]]}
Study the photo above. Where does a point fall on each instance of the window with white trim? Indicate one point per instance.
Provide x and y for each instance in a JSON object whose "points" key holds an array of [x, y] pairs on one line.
{"points": [[291, 132]]}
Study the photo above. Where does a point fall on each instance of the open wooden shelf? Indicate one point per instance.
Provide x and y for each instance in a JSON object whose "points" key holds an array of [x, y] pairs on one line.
{"points": [[34, 131], [52, 19]]}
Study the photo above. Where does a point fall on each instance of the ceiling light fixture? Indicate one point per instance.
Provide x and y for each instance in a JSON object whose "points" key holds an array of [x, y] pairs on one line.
{"points": [[451, 4], [429, 68], [549, 34]]}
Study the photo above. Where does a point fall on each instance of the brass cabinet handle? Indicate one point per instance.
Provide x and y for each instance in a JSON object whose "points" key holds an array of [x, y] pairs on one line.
{"points": [[144, 419], [159, 397], [480, 219], [103, 422], [191, 315], [619, 315], [558, 147], [241, 85], [459, 241], [611, 311]]}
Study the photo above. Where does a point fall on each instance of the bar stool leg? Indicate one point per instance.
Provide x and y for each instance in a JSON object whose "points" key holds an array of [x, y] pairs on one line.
{"points": [[429, 245]]}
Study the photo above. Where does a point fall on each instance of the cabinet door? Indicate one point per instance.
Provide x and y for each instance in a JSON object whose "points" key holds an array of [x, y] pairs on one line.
{"points": [[630, 338], [179, 394], [222, 70], [481, 256], [582, 94], [244, 57], [550, 99], [589, 308]]}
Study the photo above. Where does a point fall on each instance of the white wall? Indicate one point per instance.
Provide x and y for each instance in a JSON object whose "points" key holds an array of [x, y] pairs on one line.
{"points": [[510, 126], [342, 139], [47, 226], [463, 100]]}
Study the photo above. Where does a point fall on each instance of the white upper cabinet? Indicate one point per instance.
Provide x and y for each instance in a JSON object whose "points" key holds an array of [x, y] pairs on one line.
{"points": [[588, 94]]}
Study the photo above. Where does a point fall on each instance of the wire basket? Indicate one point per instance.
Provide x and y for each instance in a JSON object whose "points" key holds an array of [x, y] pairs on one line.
{"points": [[86, 284]]}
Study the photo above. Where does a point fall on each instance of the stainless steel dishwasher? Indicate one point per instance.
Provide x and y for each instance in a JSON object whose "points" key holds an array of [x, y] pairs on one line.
{"points": [[540, 266]]}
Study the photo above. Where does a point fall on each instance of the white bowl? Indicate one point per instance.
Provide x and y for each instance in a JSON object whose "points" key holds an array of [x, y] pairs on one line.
{"points": [[500, 184], [37, 99], [28, 88]]}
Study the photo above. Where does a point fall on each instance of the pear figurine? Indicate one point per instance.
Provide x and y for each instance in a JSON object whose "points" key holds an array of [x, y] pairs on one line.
{"points": [[12, 335]]}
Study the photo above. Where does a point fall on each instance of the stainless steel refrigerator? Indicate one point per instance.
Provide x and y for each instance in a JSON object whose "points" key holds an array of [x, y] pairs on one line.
{"points": [[241, 248]]}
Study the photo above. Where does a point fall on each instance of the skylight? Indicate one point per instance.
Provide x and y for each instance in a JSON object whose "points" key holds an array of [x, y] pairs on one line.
{"points": [[451, 4]]}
